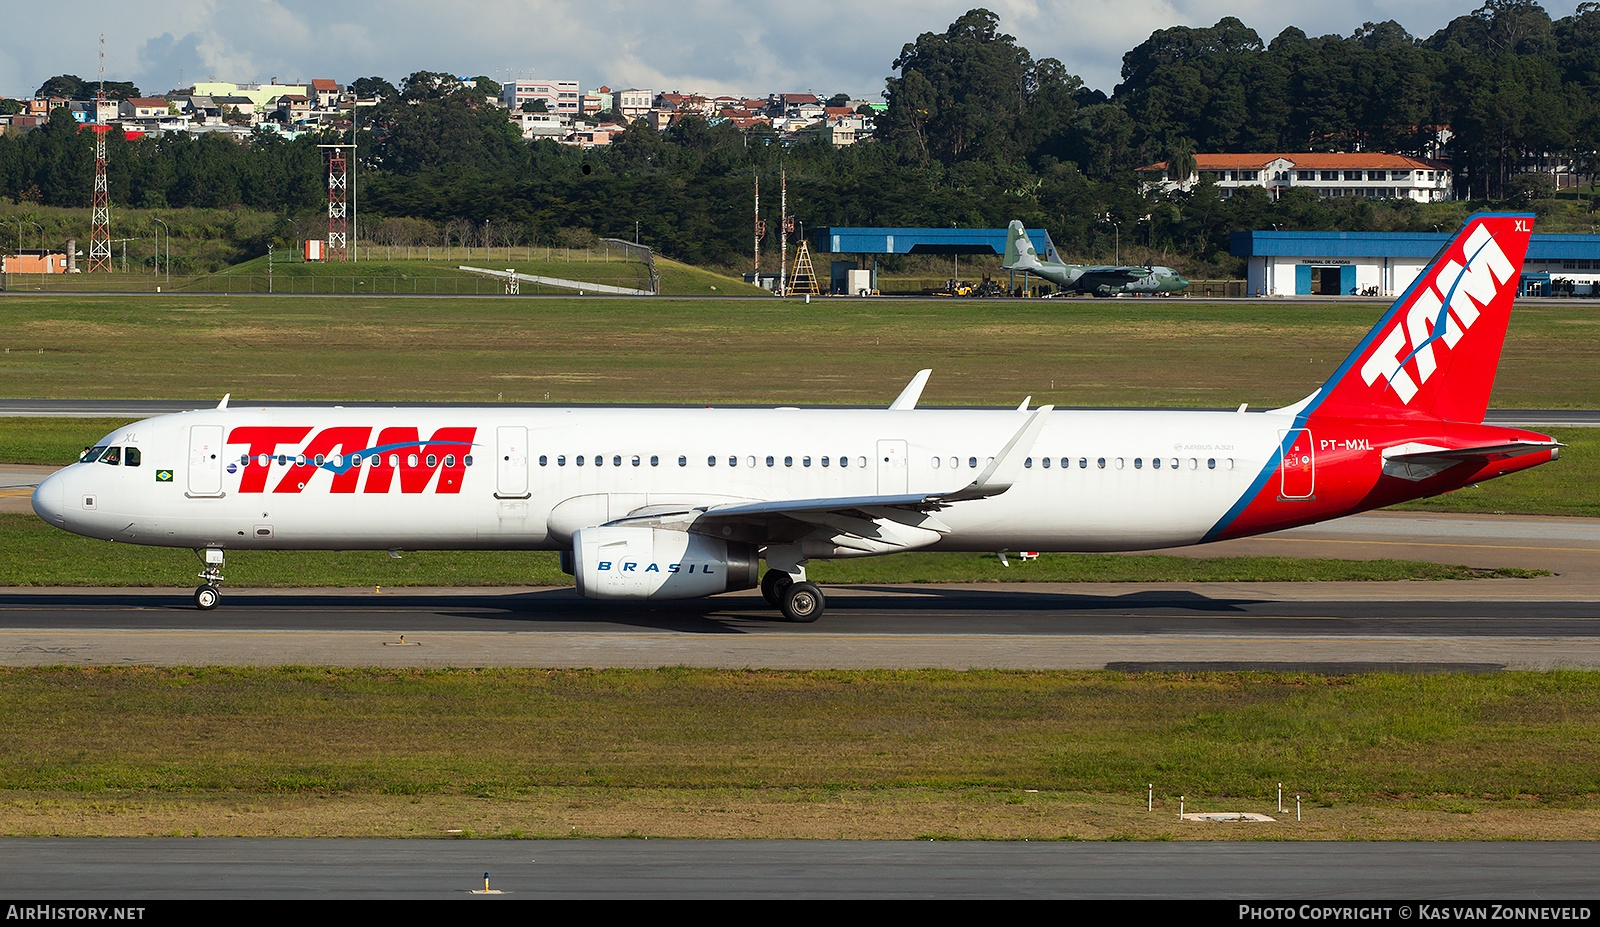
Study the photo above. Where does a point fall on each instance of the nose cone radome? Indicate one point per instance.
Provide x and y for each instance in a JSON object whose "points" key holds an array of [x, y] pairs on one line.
{"points": [[49, 499]]}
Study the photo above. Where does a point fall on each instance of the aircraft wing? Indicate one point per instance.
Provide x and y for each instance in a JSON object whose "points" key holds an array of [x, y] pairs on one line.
{"points": [[1108, 275], [898, 521]]}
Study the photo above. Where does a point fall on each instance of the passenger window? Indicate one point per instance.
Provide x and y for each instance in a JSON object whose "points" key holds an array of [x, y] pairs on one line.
{"points": [[751, 461], [733, 461], [955, 463], [579, 460], [1045, 462], [561, 460], [711, 461], [972, 463], [1119, 463], [1211, 463], [131, 458], [935, 463], [1173, 463], [1027, 463], [1138, 463], [411, 460], [450, 460], [769, 460], [683, 461], [544, 461], [1155, 462], [1101, 463], [636, 460], [300, 460], [805, 461], [467, 460], [320, 459], [1083, 463], [616, 461], [599, 460], [844, 461], [788, 461], [654, 461], [824, 461]]}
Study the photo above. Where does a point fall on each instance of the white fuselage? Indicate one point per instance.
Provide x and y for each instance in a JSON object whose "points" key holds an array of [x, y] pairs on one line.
{"points": [[1114, 480]]}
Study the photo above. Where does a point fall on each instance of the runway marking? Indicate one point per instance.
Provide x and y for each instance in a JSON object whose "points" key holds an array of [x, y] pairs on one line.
{"points": [[1589, 550]]}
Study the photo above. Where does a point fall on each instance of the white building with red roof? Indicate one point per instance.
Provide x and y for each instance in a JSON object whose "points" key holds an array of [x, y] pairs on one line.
{"points": [[1328, 174]]}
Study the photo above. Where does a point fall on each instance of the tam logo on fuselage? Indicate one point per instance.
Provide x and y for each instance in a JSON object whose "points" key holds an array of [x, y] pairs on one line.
{"points": [[347, 452], [1442, 310]]}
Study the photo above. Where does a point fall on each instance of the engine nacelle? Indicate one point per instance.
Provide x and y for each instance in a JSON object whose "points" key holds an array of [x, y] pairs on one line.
{"points": [[657, 563]]}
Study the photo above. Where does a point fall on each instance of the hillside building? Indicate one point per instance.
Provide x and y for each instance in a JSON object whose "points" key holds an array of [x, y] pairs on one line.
{"points": [[1365, 174]]}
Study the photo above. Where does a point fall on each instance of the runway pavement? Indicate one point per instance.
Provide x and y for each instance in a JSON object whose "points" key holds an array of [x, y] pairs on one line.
{"points": [[1394, 875]]}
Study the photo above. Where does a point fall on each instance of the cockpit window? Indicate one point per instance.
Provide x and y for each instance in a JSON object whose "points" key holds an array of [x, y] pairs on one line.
{"points": [[91, 454], [131, 457], [113, 456]]}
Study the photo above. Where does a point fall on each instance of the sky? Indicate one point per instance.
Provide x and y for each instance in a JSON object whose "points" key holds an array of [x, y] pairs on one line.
{"points": [[749, 47]]}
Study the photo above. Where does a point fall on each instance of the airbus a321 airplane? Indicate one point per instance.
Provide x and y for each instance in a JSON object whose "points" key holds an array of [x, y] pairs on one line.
{"points": [[681, 503]]}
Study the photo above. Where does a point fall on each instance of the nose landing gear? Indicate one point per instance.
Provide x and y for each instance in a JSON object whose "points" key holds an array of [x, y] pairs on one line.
{"points": [[209, 594]]}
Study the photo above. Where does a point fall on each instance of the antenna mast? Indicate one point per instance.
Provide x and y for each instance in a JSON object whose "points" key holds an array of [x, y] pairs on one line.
{"points": [[100, 213], [783, 231]]}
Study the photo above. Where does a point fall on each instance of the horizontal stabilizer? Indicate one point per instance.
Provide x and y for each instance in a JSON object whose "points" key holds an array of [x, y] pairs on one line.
{"points": [[1420, 461]]}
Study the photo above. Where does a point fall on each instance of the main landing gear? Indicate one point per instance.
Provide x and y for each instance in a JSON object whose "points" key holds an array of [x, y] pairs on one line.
{"points": [[799, 600], [209, 594]]}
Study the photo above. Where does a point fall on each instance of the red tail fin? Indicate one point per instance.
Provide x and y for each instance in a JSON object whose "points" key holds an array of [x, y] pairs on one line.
{"points": [[1436, 350]]}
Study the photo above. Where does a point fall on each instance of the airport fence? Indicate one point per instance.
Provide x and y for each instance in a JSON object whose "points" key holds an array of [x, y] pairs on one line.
{"points": [[227, 284]]}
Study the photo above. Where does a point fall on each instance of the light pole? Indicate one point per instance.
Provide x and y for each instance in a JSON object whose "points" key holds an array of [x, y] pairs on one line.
{"points": [[169, 250], [36, 225], [355, 231]]}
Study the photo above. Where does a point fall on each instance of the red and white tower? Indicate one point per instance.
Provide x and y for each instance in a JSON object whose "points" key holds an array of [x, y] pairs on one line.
{"points": [[100, 218], [338, 202]]}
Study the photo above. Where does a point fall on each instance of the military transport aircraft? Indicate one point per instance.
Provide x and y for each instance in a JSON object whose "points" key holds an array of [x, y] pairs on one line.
{"points": [[681, 503], [1096, 280]]}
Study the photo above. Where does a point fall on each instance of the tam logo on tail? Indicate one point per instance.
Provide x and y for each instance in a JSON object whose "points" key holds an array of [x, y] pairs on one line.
{"points": [[1437, 348]]}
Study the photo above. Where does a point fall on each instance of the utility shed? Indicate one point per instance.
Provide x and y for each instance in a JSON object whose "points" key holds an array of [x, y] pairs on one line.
{"points": [[1385, 263]]}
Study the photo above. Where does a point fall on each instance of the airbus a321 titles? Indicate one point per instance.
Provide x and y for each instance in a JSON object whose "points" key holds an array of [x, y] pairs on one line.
{"points": [[686, 502]]}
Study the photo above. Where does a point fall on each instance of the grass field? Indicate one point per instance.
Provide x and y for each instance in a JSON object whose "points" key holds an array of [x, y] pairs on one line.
{"points": [[1175, 353], [702, 753]]}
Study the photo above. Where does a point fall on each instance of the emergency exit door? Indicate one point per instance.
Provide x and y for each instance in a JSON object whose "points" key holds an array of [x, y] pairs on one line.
{"points": [[511, 470], [1297, 464], [205, 460]]}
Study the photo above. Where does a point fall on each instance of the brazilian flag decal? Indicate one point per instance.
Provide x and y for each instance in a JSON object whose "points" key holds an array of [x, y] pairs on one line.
{"points": [[163, 476]]}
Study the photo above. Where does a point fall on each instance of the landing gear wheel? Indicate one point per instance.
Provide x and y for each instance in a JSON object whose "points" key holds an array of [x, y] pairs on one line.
{"points": [[803, 602], [773, 582], [207, 597]]}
